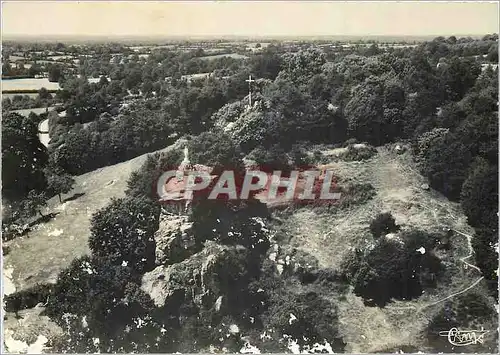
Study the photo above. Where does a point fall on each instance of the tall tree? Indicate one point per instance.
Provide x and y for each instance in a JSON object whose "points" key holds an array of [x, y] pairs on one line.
{"points": [[23, 155], [59, 182], [33, 204]]}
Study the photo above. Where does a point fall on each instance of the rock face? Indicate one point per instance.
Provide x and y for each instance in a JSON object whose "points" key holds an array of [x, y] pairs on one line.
{"points": [[174, 240], [204, 278]]}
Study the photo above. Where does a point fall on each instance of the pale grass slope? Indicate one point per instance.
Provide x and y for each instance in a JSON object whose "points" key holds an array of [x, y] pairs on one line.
{"points": [[40, 255], [43, 252]]}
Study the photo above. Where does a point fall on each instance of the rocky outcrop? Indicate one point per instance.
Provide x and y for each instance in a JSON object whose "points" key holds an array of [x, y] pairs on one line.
{"points": [[204, 278], [174, 240]]}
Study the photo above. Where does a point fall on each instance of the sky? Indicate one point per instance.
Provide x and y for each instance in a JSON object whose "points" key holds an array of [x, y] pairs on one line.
{"points": [[245, 18]]}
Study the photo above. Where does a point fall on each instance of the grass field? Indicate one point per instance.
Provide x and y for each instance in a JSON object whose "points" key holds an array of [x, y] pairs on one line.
{"points": [[42, 253], [11, 96], [230, 55], [37, 110], [28, 84]]}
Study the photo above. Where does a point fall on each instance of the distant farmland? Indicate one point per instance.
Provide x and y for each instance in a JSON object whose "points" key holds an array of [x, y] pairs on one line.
{"points": [[11, 96], [20, 85], [37, 111], [230, 55]]}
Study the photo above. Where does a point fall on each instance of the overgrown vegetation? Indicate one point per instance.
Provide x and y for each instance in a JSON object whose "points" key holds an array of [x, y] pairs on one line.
{"points": [[383, 224]]}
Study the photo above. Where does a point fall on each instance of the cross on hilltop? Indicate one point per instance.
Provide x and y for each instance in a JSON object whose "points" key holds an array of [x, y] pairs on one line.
{"points": [[250, 81]]}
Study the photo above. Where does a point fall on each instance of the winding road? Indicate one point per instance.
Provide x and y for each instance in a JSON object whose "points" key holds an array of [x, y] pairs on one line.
{"points": [[43, 132]]}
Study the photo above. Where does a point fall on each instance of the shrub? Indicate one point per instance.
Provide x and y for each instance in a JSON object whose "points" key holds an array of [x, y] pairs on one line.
{"points": [[395, 269], [97, 289], [466, 311], [356, 194], [299, 157], [358, 153], [383, 224], [271, 159], [142, 182], [314, 319], [28, 298], [123, 232], [33, 204], [216, 150]]}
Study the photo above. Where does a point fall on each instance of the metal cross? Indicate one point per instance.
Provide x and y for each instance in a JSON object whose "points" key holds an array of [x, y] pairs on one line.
{"points": [[250, 81]]}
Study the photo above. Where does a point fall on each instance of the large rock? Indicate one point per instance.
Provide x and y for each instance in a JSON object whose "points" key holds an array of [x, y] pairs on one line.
{"points": [[174, 240], [202, 278]]}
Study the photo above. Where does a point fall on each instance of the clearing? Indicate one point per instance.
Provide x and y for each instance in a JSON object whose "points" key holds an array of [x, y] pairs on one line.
{"points": [[331, 237], [28, 84]]}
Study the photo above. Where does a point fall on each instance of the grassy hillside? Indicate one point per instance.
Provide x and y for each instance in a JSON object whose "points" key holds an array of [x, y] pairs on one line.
{"points": [[50, 247], [330, 237]]}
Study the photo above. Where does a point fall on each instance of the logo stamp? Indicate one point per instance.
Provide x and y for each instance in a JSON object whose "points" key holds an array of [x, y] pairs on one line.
{"points": [[464, 337]]}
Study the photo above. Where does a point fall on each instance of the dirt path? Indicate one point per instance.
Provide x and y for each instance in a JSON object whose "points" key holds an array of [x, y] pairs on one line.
{"points": [[43, 132]]}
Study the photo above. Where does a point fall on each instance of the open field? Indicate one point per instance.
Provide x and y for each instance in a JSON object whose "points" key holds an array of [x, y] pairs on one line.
{"points": [[37, 111], [28, 84], [230, 55], [11, 96]]}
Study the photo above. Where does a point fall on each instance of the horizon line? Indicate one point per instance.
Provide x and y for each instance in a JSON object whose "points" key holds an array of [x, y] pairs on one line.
{"points": [[10, 37]]}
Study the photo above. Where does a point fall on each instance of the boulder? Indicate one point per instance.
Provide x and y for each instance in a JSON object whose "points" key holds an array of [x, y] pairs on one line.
{"points": [[425, 187], [174, 240], [201, 278]]}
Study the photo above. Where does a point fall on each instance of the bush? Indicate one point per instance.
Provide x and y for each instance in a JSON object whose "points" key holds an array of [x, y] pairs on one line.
{"points": [[356, 194], [271, 159], [33, 204], [98, 289], [480, 195], [123, 232], [395, 269], [23, 156], [383, 224], [466, 311], [216, 150], [142, 182], [299, 157], [486, 256], [28, 298], [358, 153], [316, 319]]}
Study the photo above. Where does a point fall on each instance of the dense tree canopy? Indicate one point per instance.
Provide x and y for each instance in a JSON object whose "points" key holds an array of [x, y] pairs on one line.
{"points": [[23, 156]]}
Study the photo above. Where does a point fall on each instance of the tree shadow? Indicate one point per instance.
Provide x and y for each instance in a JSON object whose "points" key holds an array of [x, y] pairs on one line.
{"points": [[74, 197], [43, 219], [22, 230]]}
